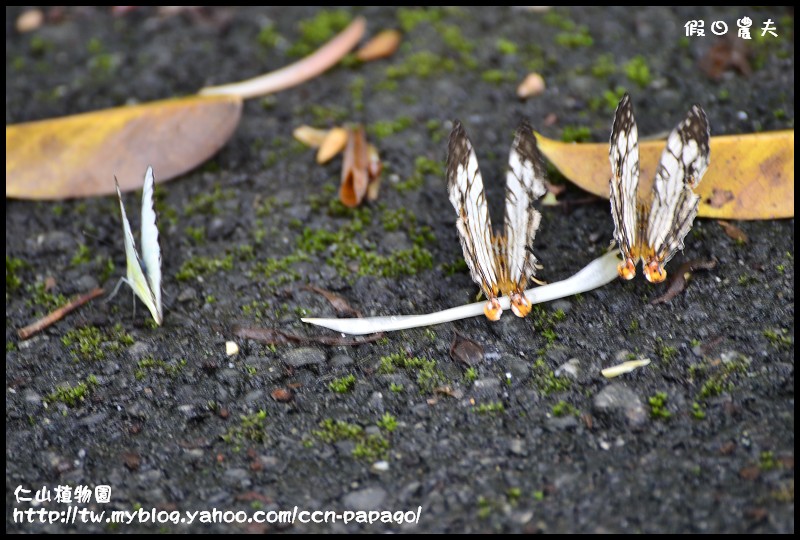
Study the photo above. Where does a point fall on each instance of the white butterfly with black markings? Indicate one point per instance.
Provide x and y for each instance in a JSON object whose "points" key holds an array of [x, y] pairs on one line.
{"points": [[500, 264], [144, 273], [654, 231]]}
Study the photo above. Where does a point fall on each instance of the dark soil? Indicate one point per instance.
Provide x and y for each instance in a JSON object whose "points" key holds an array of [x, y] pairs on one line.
{"points": [[533, 438]]}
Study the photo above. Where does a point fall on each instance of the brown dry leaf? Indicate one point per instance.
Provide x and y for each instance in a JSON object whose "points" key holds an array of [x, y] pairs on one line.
{"points": [[733, 231], [382, 45], [730, 53], [333, 143], [339, 303], [355, 176], [680, 279], [466, 351], [273, 336], [310, 136], [757, 170]]}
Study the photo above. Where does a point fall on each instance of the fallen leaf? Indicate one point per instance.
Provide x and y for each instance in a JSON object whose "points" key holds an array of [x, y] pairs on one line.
{"points": [[339, 303], [725, 54], [333, 143], [680, 279], [310, 136], [466, 350], [753, 172], [733, 231], [273, 336], [382, 45], [532, 85], [355, 177]]}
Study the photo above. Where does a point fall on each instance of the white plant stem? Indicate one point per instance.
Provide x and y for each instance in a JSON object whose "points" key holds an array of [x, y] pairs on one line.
{"points": [[597, 273]]}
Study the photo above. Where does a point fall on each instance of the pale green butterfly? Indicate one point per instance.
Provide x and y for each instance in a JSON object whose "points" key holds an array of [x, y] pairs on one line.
{"points": [[144, 273]]}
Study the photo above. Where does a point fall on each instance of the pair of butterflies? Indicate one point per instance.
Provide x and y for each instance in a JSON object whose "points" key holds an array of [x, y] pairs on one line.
{"points": [[503, 264]]}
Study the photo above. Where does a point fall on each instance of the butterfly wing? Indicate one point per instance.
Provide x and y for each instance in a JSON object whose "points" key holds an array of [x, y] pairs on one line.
{"points": [[624, 157], [524, 185], [151, 252], [674, 207], [135, 275], [465, 186]]}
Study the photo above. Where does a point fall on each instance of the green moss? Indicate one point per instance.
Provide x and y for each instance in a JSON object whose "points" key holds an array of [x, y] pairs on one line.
{"points": [[91, 343], [779, 339], [665, 352], [388, 422], [206, 203], [457, 266], [396, 388], [538, 495], [697, 411], [638, 71], [318, 29], [423, 167], [546, 381], [422, 64], [13, 266], [342, 385], [385, 128], [356, 87], [410, 18], [470, 375], [562, 408], [575, 134], [634, 326], [40, 298], [495, 407], [767, 461], [268, 36], [72, 395], [82, 256], [149, 364], [252, 428], [578, 37], [604, 66], [427, 374], [658, 406], [201, 266], [498, 76], [505, 46], [372, 447], [454, 38], [557, 20]]}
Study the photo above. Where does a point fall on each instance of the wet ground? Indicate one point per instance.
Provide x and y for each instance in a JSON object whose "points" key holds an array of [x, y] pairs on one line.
{"points": [[531, 437]]}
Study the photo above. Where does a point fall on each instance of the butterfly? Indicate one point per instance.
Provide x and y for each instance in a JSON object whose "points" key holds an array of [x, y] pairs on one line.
{"points": [[654, 231], [144, 273], [499, 264]]}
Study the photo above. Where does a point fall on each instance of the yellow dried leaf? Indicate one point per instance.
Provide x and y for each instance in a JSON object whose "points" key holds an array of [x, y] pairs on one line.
{"points": [[756, 169], [381, 46], [310, 136], [333, 143]]}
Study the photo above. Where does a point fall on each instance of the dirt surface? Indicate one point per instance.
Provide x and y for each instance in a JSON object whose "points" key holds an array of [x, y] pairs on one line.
{"points": [[532, 437]]}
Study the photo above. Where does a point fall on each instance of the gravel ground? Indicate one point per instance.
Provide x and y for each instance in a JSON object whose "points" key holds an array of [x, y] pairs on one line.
{"points": [[530, 437]]}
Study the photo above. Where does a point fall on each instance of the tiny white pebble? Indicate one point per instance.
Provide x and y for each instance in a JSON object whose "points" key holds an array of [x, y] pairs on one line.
{"points": [[231, 348], [741, 115], [380, 466]]}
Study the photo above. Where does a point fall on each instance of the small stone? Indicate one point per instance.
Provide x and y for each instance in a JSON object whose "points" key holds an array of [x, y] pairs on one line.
{"points": [[304, 356], [341, 360], [380, 467], [615, 399], [570, 369], [365, 499]]}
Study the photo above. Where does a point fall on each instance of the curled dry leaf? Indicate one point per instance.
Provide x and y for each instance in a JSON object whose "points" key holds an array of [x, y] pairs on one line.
{"points": [[333, 143], [374, 170], [339, 303], [680, 279], [310, 136], [531, 86], [733, 231], [466, 351], [381, 46], [355, 176]]}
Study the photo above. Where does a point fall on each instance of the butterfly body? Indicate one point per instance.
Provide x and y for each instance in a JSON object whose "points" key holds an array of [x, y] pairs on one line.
{"points": [[500, 264], [143, 274], [654, 230]]}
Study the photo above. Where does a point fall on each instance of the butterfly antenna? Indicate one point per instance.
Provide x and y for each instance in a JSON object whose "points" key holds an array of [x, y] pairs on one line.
{"points": [[116, 289]]}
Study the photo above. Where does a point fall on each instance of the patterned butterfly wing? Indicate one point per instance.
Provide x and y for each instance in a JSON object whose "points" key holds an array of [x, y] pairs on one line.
{"points": [[674, 207], [524, 185], [465, 187], [624, 157]]}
